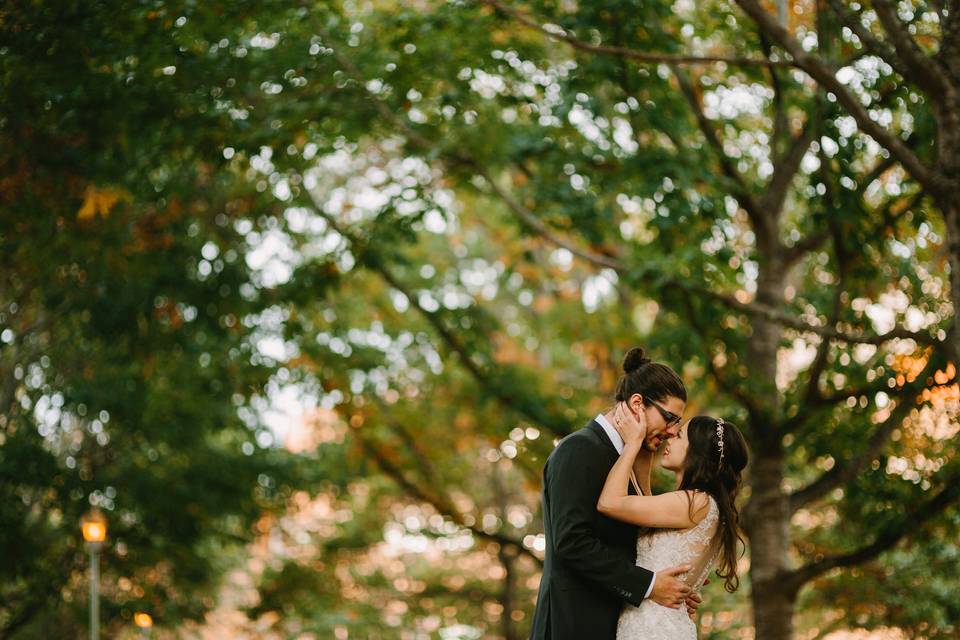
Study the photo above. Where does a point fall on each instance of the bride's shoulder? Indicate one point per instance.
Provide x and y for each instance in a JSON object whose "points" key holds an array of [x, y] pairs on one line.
{"points": [[700, 503]]}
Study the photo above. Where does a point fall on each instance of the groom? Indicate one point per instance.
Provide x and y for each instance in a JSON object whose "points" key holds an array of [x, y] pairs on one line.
{"points": [[590, 567]]}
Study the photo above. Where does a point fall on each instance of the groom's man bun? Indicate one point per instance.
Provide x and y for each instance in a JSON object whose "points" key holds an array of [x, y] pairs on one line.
{"points": [[652, 380], [634, 360]]}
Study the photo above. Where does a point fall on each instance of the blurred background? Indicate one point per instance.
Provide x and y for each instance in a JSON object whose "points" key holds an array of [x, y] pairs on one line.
{"points": [[297, 297]]}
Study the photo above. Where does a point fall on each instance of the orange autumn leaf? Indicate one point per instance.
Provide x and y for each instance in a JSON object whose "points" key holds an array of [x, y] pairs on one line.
{"points": [[99, 201]]}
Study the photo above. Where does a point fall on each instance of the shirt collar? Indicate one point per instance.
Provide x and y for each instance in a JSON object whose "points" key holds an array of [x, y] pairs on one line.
{"points": [[611, 432]]}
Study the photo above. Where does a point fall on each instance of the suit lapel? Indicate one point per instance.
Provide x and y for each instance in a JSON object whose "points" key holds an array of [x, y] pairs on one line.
{"points": [[595, 427]]}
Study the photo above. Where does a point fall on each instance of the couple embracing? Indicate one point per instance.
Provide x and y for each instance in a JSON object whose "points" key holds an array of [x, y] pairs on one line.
{"points": [[622, 563]]}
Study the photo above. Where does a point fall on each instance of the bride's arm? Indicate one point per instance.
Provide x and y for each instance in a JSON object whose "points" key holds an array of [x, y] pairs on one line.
{"points": [[668, 510]]}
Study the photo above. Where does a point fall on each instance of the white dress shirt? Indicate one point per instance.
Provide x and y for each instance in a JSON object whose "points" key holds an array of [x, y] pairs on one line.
{"points": [[611, 432], [618, 444]]}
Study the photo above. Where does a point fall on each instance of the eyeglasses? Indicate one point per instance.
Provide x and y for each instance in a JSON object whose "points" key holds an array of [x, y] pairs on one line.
{"points": [[669, 417]]}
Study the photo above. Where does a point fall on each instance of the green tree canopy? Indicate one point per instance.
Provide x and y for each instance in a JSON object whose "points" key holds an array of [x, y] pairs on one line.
{"points": [[440, 225]]}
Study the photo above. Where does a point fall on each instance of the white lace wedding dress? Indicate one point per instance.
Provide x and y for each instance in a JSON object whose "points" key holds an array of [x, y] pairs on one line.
{"points": [[661, 550]]}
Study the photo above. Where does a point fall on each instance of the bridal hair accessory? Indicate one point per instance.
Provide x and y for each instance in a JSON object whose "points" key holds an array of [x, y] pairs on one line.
{"points": [[720, 441]]}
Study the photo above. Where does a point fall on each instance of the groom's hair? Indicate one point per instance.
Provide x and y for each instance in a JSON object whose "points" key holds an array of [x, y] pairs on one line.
{"points": [[650, 379]]}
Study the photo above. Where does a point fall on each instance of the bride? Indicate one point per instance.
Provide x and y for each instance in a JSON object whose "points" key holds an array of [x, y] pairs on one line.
{"points": [[694, 525]]}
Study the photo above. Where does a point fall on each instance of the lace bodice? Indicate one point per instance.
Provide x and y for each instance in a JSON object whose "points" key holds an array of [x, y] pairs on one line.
{"points": [[661, 550]]}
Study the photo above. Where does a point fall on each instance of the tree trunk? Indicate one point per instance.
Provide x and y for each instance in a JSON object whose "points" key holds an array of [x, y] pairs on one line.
{"points": [[767, 517], [951, 215], [507, 556], [948, 161], [773, 616], [768, 522]]}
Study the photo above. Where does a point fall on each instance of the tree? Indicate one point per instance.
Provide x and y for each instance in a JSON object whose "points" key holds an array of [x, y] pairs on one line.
{"points": [[129, 365], [460, 215], [816, 199]]}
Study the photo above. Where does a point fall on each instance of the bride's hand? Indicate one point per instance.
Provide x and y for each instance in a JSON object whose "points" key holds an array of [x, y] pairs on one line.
{"points": [[631, 429]]}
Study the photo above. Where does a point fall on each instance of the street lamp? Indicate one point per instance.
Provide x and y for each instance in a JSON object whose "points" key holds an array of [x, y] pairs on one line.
{"points": [[144, 621], [94, 527]]}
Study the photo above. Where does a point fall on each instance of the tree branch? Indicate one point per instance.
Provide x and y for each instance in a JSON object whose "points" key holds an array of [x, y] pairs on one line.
{"points": [[483, 378], [417, 492], [803, 246], [923, 70], [556, 32], [421, 456], [829, 400], [742, 189], [755, 309], [749, 403], [878, 170], [775, 315], [533, 223], [842, 258], [536, 225], [846, 470], [529, 220], [786, 169], [824, 75], [871, 43], [779, 112], [888, 538]]}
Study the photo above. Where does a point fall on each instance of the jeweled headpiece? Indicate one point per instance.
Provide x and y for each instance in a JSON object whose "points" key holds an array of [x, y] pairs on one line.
{"points": [[720, 441]]}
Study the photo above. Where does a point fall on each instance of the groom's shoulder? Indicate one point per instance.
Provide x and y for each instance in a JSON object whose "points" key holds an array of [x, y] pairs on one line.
{"points": [[580, 439]]}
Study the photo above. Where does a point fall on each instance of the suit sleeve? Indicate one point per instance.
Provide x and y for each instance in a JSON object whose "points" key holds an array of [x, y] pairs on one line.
{"points": [[573, 481]]}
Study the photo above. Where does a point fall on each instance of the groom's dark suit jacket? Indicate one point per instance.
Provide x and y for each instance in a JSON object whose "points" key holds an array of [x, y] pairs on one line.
{"points": [[589, 571]]}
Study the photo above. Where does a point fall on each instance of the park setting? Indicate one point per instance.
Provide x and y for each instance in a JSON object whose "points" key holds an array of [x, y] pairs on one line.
{"points": [[297, 299]]}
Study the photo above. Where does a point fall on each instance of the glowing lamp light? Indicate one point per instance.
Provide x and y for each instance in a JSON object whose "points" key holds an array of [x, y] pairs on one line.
{"points": [[142, 620], [94, 527]]}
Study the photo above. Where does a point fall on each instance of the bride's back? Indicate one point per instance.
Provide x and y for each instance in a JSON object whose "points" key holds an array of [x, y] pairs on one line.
{"points": [[697, 547]]}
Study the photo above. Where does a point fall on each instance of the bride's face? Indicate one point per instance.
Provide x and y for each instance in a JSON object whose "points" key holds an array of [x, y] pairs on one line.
{"points": [[675, 451]]}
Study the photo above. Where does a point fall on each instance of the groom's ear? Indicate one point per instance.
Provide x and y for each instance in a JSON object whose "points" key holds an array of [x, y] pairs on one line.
{"points": [[636, 402]]}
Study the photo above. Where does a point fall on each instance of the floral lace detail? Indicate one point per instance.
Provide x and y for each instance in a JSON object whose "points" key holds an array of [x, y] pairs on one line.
{"points": [[661, 550]]}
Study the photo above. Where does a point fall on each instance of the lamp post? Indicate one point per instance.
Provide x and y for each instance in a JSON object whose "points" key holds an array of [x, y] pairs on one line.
{"points": [[94, 527], [144, 621]]}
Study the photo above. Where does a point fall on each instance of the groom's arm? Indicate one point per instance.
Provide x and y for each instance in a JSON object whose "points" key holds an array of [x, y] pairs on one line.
{"points": [[574, 479]]}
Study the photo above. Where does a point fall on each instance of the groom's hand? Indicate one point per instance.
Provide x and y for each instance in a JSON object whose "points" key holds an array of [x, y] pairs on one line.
{"points": [[668, 590]]}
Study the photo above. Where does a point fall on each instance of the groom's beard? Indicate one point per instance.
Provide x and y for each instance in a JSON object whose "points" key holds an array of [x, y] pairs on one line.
{"points": [[653, 442]]}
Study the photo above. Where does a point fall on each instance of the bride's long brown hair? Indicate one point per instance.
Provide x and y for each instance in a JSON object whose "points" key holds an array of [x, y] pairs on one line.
{"points": [[704, 471]]}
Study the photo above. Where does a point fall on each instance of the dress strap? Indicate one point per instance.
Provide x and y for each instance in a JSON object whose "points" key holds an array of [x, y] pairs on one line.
{"points": [[636, 485]]}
